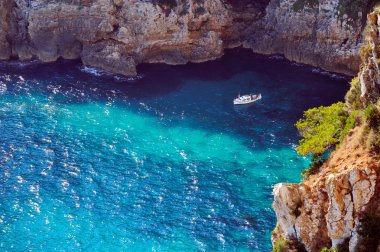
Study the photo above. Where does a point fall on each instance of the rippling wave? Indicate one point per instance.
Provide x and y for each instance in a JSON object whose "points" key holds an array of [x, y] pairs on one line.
{"points": [[165, 163]]}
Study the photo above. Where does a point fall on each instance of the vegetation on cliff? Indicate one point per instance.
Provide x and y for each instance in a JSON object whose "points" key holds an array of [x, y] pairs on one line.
{"points": [[344, 142], [371, 132], [321, 128], [353, 95], [324, 128], [283, 245]]}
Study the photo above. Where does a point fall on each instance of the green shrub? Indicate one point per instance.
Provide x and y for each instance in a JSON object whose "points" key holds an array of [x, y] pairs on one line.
{"points": [[353, 95], [365, 52], [283, 245], [350, 124], [316, 163], [364, 135], [343, 247], [321, 128], [325, 249], [371, 115], [371, 132], [280, 245], [373, 140]]}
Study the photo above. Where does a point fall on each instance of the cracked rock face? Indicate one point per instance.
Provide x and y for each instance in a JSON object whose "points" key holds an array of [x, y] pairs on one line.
{"points": [[316, 34], [326, 209], [300, 214], [369, 74], [333, 204], [113, 35], [349, 194], [327, 214], [117, 35]]}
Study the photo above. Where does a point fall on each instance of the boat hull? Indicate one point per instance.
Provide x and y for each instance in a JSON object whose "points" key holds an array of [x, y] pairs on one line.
{"points": [[246, 101]]}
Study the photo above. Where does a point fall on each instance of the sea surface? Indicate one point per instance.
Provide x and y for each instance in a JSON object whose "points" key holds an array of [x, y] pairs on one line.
{"points": [[161, 162]]}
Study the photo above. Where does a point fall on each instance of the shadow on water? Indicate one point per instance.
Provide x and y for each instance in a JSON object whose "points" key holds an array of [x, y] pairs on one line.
{"points": [[206, 91], [165, 157], [160, 79]]}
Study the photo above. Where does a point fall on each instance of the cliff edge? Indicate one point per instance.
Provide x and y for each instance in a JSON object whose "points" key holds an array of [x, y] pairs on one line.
{"points": [[337, 208]]}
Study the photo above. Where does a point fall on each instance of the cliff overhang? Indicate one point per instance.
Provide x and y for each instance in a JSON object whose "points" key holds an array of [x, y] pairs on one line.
{"points": [[117, 35]]}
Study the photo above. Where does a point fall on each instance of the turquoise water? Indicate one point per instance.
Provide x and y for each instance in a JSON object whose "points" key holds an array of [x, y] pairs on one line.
{"points": [[162, 162]]}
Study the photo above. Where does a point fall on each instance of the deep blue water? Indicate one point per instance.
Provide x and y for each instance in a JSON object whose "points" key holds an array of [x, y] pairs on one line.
{"points": [[164, 162]]}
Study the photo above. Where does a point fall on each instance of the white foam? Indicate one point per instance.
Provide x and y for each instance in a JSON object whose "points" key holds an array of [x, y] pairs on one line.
{"points": [[92, 71], [220, 237], [3, 87], [328, 74], [20, 64], [130, 79], [99, 72], [20, 179], [276, 57], [297, 64]]}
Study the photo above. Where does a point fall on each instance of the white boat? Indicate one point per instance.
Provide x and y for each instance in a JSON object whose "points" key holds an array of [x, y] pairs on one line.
{"points": [[246, 99]]}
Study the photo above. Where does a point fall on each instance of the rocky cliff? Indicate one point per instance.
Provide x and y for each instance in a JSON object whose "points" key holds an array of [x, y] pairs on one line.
{"points": [[339, 207], [326, 209], [117, 35]]}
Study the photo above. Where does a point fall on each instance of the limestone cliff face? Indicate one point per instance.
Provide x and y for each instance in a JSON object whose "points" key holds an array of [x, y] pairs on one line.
{"points": [[326, 209], [369, 75], [113, 35], [117, 35], [314, 32]]}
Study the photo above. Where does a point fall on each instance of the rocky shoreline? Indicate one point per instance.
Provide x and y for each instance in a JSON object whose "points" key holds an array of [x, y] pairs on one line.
{"points": [[118, 35]]}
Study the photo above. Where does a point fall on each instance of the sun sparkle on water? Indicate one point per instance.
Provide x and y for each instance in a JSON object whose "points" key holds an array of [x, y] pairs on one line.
{"points": [[162, 162]]}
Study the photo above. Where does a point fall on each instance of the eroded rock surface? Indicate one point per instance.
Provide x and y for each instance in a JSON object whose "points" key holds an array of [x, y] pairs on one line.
{"points": [[369, 74], [326, 209], [315, 33], [117, 35]]}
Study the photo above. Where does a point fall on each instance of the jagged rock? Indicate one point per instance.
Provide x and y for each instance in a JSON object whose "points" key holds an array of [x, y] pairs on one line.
{"points": [[369, 74], [193, 31], [331, 204], [5, 12], [301, 214], [286, 203], [347, 186], [110, 56], [313, 35], [349, 193]]}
